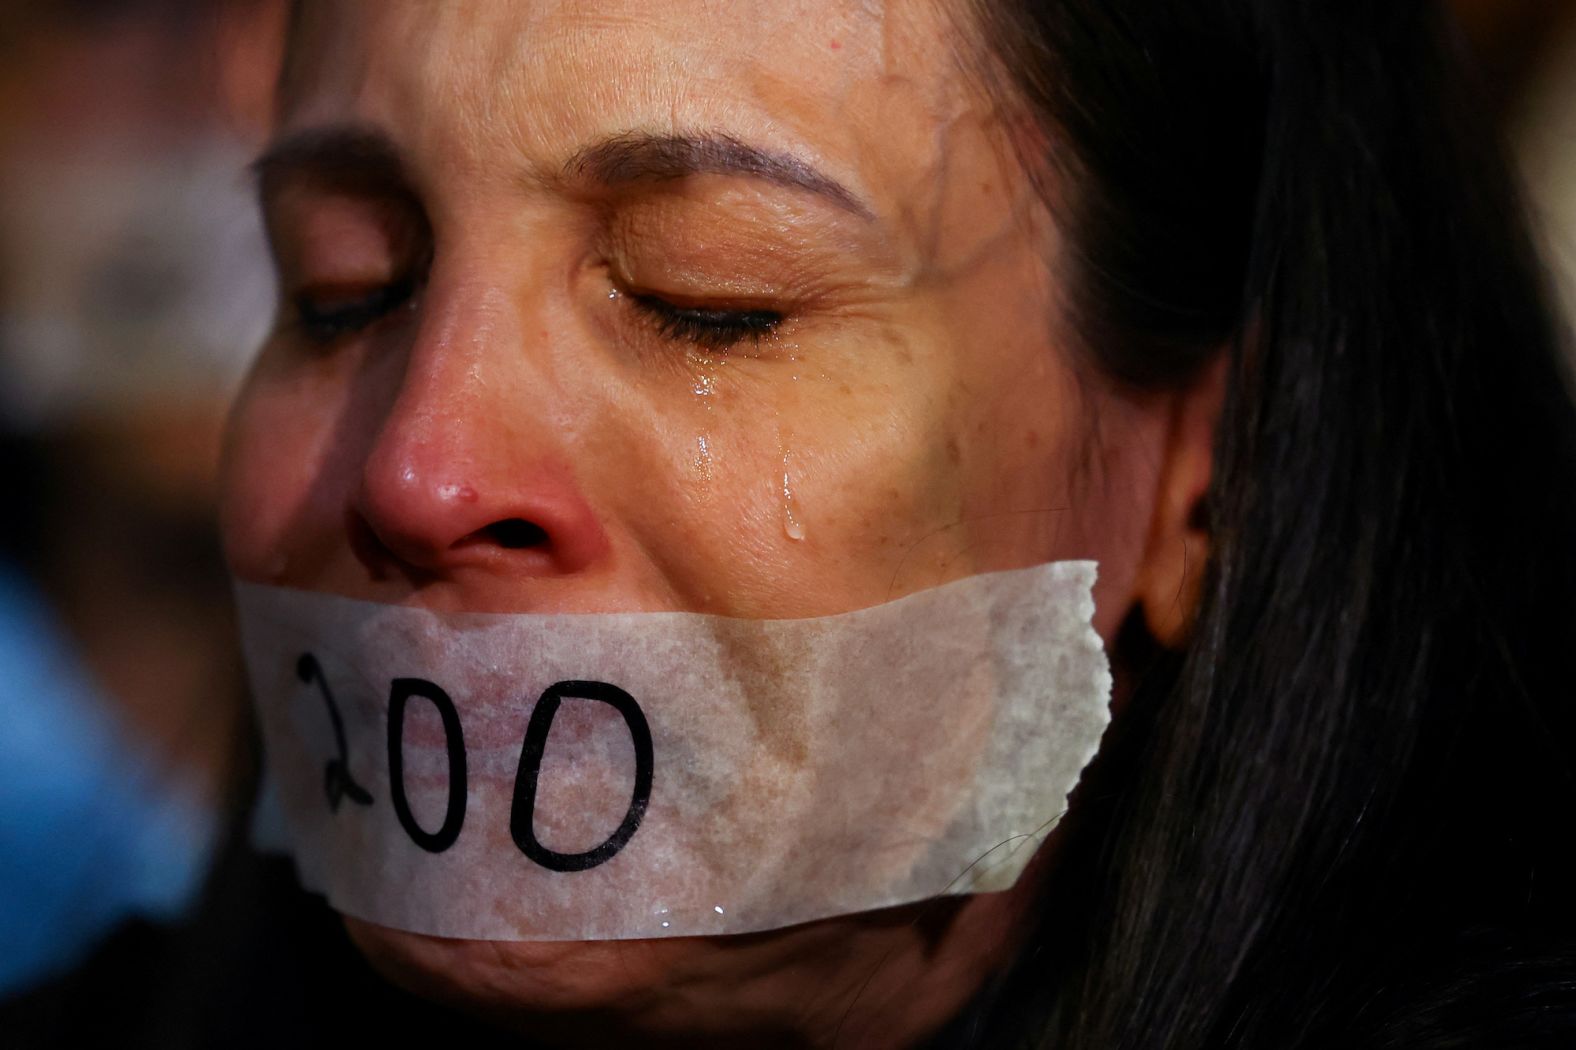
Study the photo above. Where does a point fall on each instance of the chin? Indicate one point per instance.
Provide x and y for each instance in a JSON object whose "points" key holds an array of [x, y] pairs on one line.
{"points": [[669, 992], [874, 980]]}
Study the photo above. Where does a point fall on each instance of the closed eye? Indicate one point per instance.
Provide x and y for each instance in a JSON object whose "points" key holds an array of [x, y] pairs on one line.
{"points": [[324, 317], [708, 327]]}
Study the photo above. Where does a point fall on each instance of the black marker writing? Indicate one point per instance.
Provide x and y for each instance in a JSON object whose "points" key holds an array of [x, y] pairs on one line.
{"points": [[522, 815], [340, 784], [400, 692], [337, 780]]}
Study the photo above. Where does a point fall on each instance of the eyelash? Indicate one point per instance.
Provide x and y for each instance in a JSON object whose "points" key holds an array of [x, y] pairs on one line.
{"points": [[708, 328], [324, 324]]}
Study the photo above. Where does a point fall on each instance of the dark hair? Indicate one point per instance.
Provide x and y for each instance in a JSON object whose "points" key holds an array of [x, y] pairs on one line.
{"points": [[1343, 817]]}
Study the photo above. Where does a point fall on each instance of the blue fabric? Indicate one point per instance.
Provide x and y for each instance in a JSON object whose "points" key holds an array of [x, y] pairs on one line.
{"points": [[90, 832]]}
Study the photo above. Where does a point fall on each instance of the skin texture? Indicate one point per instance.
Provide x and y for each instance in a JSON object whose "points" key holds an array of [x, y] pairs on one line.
{"points": [[915, 416]]}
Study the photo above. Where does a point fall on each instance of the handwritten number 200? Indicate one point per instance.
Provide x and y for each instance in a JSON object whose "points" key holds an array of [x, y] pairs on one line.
{"points": [[522, 812]]}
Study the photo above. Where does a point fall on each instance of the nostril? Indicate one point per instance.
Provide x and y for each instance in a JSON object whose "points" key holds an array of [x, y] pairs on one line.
{"points": [[515, 533]]}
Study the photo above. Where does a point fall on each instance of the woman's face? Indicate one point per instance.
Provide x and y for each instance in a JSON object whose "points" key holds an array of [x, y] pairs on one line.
{"points": [[741, 308]]}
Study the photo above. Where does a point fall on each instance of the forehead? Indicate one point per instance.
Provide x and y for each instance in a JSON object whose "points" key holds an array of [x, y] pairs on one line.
{"points": [[874, 92]]}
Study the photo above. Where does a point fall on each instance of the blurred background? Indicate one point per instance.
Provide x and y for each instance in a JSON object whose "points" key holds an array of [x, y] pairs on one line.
{"points": [[134, 285]]}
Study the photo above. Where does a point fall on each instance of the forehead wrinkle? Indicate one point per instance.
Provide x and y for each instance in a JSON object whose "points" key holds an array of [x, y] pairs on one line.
{"points": [[469, 78]]}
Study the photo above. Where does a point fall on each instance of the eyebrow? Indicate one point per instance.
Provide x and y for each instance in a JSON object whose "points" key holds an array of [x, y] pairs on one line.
{"points": [[367, 157], [634, 156], [342, 154]]}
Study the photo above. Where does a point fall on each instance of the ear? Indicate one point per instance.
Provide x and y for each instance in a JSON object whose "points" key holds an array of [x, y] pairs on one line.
{"points": [[1171, 574]]}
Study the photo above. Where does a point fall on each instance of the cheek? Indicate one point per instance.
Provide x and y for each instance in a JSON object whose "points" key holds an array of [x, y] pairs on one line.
{"points": [[1056, 472], [873, 502], [1012, 425], [1010, 456], [276, 470], [793, 488], [814, 487]]}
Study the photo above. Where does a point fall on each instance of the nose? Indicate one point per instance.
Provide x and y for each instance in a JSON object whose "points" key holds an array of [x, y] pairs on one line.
{"points": [[462, 472]]}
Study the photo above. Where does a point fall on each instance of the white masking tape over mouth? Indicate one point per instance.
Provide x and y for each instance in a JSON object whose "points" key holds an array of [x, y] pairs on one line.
{"points": [[620, 775]]}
